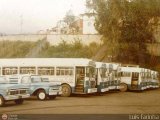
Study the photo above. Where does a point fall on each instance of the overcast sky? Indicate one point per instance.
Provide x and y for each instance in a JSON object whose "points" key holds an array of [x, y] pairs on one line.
{"points": [[37, 14]]}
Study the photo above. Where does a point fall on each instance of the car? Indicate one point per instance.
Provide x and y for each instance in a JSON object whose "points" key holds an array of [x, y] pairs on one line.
{"points": [[37, 87], [12, 92]]}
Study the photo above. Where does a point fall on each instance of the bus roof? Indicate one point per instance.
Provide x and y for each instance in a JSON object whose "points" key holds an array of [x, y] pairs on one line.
{"points": [[130, 65], [131, 69], [46, 62], [100, 65]]}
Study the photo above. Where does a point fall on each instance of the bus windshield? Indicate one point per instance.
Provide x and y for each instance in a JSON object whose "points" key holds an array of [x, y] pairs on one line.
{"points": [[103, 72], [90, 71], [157, 76]]}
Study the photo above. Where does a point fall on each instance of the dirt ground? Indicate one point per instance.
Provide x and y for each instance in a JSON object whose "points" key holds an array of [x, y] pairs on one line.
{"points": [[115, 102]]}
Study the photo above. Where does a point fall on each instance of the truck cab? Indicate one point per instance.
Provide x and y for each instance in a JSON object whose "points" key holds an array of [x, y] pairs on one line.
{"points": [[37, 87], [12, 92]]}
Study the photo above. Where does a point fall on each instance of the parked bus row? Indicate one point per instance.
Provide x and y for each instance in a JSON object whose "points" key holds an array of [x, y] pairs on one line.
{"points": [[136, 78], [79, 75]]}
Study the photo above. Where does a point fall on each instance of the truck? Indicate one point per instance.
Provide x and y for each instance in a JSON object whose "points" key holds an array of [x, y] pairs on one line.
{"points": [[37, 86], [12, 92]]}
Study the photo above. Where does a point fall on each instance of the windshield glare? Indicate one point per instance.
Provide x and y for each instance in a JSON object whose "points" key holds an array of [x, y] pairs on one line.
{"points": [[103, 72], [90, 72]]}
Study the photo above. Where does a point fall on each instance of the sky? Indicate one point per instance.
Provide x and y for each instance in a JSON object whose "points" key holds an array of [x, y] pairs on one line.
{"points": [[30, 16]]}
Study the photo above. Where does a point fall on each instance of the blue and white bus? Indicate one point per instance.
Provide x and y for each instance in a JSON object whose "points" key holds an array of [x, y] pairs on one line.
{"points": [[101, 77], [76, 75], [114, 75], [132, 78], [155, 80]]}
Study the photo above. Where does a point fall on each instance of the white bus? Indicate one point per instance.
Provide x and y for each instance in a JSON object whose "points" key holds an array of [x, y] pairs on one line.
{"points": [[148, 78], [132, 78], [108, 76], [155, 81], [114, 75], [145, 79], [101, 77], [76, 75]]}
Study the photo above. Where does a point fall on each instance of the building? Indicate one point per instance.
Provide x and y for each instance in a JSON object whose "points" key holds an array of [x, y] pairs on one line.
{"points": [[89, 23]]}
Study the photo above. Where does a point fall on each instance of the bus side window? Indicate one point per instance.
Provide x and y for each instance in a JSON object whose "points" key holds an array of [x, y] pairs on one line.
{"points": [[64, 71], [58, 72], [9, 70], [27, 70]]}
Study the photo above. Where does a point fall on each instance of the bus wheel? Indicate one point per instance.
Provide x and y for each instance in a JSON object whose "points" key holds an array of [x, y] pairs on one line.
{"points": [[41, 95], [2, 102], [123, 87], [19, 101], [66, 90]]}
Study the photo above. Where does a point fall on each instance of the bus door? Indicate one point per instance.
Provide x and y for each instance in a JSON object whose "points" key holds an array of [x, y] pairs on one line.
{"points": [[134, 80], [80, 76]]}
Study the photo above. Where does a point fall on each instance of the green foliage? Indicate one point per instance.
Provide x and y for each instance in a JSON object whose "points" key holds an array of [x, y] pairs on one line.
{"points": [[14, 49], [73, 50], [69, 18], [22, 49], [126, 26]]}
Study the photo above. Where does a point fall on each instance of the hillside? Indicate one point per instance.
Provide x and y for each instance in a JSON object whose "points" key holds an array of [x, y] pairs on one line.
{"points": [[10, 49]]}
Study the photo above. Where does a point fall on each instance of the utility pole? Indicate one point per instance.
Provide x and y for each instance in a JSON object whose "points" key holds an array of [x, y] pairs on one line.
{"points": [[21, 24]]}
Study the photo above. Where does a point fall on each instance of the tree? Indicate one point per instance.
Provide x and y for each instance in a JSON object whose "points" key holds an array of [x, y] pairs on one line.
{"points": [[126, 26], [69, 18]]}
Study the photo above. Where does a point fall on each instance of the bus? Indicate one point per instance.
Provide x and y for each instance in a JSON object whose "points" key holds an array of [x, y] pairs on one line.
{"points": [[129, 65], [157, 85], [101, 77], [132, 78], [76, 75], [114, 75], [148, 78], [108, 77], [155, 80], [144, 77]]}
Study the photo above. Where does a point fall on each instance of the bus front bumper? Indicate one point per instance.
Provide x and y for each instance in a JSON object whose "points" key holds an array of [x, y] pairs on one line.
{"points": [[104, 89], [118, 87], [92, 90], [112, 87], [143, 88]]}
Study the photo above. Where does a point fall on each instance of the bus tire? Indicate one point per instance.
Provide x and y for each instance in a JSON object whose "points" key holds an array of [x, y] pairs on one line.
{"points": [[2, 101], [41, 95], [123, 87], [19, 101], [66, 90]]}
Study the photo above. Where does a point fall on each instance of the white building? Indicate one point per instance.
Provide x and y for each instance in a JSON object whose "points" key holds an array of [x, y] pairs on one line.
{"points": [[89, 23], [89, 19]]}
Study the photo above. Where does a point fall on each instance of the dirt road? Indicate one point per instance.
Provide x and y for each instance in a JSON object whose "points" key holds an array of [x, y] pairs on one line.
{"points": [[115, 102]]}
